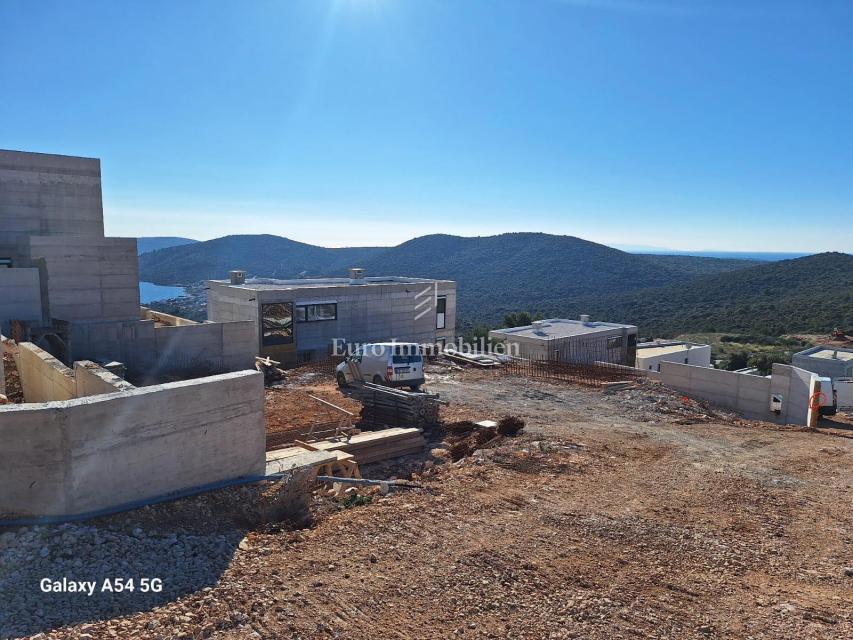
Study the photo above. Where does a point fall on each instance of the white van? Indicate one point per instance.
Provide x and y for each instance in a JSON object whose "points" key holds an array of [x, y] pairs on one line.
{"points": [[394, 364]]}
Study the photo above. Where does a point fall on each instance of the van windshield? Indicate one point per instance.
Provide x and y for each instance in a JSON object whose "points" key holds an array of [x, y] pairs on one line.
{"points": [[406, 354]]}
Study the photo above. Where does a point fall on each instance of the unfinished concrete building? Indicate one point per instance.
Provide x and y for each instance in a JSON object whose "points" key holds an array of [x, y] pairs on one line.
{"points": [[73, 291], [82, 438], [582, 341], [302, 319], [832, 362]]}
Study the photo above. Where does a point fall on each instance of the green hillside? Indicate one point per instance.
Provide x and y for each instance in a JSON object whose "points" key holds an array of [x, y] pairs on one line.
{"points": [[811, 294], [557, 276]]}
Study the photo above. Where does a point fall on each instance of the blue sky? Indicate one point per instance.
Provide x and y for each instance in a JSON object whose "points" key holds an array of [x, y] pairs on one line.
{"points": [[687, 125]]}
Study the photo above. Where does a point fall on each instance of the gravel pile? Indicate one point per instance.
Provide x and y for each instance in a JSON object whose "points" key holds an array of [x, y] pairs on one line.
{"points": [[184, 563]]}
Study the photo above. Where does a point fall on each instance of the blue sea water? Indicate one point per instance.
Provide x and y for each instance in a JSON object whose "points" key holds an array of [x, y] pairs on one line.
{"points": [[150, 292]]}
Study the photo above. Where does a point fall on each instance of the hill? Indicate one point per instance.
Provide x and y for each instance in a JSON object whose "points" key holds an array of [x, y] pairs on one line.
{"points": [[504, 273], [144, 245], [506, 270], [557, 276], [700, 265], [258, 255], [810, 294]]}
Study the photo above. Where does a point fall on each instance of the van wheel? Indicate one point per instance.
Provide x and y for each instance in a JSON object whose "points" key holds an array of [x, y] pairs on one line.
{"points": [[377, 379], [342, 380]]}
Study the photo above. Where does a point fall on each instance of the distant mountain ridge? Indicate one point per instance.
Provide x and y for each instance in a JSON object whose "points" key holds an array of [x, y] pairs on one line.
{"points": [[555, 275], [153, 243]]}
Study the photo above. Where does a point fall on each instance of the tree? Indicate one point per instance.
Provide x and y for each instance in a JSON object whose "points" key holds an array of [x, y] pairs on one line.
{"points": [[764, 362], [518, 319], [738, 360]]}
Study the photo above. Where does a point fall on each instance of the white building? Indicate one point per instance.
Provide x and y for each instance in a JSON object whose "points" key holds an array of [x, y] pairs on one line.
{"points": [[651, 354]]}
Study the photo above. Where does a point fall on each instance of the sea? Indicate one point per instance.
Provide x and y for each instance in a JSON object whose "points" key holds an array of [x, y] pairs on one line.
{"points": [[150, 292]]}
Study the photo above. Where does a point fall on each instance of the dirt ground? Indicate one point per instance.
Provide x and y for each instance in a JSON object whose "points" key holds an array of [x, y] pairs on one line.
{"points": [[632, 514], [293, 411]]}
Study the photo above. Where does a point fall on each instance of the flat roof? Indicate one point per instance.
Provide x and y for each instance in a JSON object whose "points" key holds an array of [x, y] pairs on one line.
{"points": [[829, 353], [661, 347], [561, 328], [274, 284], [659, 350]]}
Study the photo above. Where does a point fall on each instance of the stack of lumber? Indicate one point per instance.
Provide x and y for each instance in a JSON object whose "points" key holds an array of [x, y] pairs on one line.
{"points": [[368, 447], [387, 406]]}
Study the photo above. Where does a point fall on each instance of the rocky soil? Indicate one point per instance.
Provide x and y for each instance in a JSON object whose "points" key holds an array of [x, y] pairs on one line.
{"points": [[625, 515]]}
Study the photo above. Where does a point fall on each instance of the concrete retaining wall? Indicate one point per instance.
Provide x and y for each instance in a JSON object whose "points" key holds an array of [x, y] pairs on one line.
{"points": [[46, 379], [91, 380], [71, 457], [43, 377], [747, 394]]}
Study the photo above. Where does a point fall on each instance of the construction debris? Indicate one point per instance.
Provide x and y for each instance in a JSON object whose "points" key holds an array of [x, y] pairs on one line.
{"points": [[366, 448], [474, 359], [463, 438], [270, 368], [396, 407]]}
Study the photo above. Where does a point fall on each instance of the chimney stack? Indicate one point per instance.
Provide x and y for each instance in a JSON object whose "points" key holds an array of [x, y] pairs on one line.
{"points": [[356, 273], [584, 318], [237, 277]]}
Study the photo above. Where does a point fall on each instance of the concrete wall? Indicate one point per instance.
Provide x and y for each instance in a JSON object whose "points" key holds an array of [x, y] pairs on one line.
{"points": [[44, 194], [46, 379], [155, 352], [20, 296], [86, 277], [91, 380], [794, 385], [72, 457], [747, 394], [43, 377]]}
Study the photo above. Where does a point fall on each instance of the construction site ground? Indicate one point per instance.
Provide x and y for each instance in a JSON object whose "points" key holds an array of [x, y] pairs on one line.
{"points": [[630, 514]]}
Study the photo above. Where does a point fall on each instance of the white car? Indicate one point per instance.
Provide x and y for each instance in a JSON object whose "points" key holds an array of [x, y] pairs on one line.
{"points": [[393, 364]]}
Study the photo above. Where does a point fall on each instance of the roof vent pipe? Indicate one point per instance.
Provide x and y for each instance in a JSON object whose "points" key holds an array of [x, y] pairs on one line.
{"points": [[237, 277], [584, 318], [356, 273]]}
